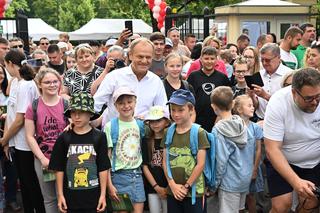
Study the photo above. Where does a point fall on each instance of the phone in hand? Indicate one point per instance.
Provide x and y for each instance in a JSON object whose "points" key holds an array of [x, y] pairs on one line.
{"points": [[128, 25], [35, 62], [254, 79]]}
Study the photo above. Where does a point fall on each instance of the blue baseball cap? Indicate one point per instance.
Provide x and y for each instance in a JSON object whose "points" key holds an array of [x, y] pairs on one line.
{"points": [[181, 97]]}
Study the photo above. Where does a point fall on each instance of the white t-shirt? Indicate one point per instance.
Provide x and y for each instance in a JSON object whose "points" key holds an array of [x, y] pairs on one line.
{"points": [[22, 93], [298, 131], [272, 83], [289, 59]]}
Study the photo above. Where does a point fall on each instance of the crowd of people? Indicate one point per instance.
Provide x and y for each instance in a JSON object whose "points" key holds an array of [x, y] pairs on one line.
{"points": [[101, 123]]}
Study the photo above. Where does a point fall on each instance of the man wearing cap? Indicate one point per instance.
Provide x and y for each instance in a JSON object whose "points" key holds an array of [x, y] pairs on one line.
{"points": [[147, 86], [168, 47]]}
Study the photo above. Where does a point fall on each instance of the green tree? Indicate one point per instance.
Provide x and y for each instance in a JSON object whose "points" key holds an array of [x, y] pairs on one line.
{"points": [[73, 14], [46, 10], [16, 5]]}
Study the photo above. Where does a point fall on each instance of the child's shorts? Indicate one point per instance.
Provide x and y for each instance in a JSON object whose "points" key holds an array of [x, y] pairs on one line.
{"points": [[129, 181]]}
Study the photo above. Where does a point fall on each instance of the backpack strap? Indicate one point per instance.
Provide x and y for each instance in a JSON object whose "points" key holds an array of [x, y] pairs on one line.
{"points": [[34, 106], [194, 140], [168, 142], [114, 138], [65, 107]]}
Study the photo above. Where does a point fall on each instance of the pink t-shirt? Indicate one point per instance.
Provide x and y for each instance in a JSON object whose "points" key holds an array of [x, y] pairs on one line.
{"points": [[196, 65], [50, 123]]}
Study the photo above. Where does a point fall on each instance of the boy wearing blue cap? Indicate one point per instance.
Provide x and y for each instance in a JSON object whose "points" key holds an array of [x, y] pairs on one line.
{"points": [[185, 169]]}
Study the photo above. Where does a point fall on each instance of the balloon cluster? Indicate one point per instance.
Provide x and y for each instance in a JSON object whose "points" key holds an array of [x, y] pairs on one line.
{"points": [[158, 8], [4, 5]]}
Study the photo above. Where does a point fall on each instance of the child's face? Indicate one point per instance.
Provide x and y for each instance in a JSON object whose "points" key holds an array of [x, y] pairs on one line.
{"points": [[247, 108], [158, 125], [174, 67], [208, 62], [125, 106], [240, 70], [80, 118], [180, 114], [50, 84]]}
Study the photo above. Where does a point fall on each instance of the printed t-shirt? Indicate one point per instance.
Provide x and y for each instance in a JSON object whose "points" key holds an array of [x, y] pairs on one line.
{"points": [[128, 150], [81, 158], [182, 162], [50, 123], [154, 162]]}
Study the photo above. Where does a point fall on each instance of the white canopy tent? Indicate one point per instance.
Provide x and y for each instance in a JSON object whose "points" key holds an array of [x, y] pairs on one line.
{"points": [[36, 26], [100, 29]]}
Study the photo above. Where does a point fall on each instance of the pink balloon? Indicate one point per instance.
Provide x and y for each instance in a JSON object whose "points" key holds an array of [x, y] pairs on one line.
{"points": [[162, 30], [156, 9], [157, 2], [156, 15]]}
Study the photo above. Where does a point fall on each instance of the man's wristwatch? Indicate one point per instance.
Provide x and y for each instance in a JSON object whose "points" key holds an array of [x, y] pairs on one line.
{"points": [[187, 186]]}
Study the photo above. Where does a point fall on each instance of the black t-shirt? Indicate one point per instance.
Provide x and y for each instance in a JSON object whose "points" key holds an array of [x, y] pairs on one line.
{"points": [[61, 68], [203, 85], [237, 91], [154, 162], [169, 89], [81, 158], [157, 67]]}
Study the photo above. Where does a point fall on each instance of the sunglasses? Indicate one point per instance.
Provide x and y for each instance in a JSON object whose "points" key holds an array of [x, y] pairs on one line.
{"points": [[44, 43], [17, 46]]}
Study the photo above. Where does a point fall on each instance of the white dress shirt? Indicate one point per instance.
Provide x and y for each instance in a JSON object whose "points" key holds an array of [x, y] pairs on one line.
{"points": [[149, 91]]}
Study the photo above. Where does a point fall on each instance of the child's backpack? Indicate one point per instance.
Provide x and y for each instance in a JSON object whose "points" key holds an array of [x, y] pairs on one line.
{"points": [[209, 168], [115, 136]]}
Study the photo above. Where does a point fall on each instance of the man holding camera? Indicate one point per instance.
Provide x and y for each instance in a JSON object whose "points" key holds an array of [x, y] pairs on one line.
{"points": [[115, 60], [292, 140]]}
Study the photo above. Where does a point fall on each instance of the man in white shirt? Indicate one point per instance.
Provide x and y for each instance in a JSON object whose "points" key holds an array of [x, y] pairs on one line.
{"points": [[147, 86], [271, 74], [292, 140], [290, 42]]}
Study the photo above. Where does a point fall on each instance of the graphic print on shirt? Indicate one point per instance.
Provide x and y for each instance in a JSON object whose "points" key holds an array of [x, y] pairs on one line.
{"points": [[208, 88], [81, 167], [182, 159], [157, 158], [51, 131], [128, 149]]}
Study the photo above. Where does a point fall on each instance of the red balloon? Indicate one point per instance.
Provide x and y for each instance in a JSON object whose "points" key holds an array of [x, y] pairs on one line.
{"points": [[163, 5], [2, 3], [162, 12], [160, 25], [160, 19], [151, 6]]}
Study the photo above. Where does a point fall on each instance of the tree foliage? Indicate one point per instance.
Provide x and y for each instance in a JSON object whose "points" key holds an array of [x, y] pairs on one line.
{"points": [[69, 15]]}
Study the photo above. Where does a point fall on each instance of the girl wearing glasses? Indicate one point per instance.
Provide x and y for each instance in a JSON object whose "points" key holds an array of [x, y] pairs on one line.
{"points": [[44, 121]]}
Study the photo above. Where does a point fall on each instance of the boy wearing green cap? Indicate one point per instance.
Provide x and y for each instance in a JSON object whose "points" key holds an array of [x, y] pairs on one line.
{"points": [[80, 160]]}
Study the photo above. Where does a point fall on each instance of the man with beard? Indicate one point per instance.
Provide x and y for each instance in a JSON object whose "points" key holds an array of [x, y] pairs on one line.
{"points": [[292, 140], [309, 35], [290, 42]]}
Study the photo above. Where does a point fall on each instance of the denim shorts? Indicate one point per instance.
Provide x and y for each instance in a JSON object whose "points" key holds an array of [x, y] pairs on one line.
{"points": [[129, 181]]}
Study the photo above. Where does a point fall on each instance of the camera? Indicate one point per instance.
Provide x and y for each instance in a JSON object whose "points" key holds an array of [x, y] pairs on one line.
{"points": [[118, 63], [317, 192]]}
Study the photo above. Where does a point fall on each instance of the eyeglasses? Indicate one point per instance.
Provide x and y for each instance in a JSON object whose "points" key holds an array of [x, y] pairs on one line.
{"points": [[309, 99], [268, 60], [54, 82], [44, 43], [243, 72], [17, 46]]}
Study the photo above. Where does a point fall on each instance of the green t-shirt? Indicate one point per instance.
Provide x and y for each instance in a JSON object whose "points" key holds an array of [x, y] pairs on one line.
{"points": [[128, 150], [182, 162], [299, 53]]}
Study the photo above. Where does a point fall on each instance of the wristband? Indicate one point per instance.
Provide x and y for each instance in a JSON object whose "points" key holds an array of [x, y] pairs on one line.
{"points": [[154, 185]]}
